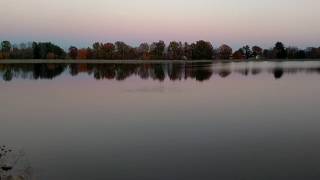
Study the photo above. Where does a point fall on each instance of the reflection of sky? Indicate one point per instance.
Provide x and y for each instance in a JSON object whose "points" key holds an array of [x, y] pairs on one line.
{"points": [[234, 22], [91, 129]]}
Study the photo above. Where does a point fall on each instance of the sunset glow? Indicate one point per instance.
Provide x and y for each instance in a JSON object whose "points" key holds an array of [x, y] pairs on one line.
{"points": [[81, 22]]}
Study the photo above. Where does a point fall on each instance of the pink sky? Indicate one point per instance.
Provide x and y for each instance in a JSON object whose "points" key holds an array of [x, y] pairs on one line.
{"points": [[82, 22]]}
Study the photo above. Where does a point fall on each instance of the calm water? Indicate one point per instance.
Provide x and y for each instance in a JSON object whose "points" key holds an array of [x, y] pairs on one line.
{"points": [[236, 121]]}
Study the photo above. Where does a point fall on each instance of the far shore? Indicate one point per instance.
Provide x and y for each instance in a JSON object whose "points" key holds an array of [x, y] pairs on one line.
{"points": [[95, 61]]}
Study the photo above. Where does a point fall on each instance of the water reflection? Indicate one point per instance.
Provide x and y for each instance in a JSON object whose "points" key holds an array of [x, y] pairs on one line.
{"points": [[174, 72], [141, 129]]}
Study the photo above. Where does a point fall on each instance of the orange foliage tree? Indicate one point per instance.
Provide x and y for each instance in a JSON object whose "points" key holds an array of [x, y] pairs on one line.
{"points": [[82, 54]]}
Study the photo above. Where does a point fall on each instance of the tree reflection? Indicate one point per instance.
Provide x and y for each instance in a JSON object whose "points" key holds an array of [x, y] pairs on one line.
{"points": [[199, 71], [160, 72], [278, 72], [31, 71]]}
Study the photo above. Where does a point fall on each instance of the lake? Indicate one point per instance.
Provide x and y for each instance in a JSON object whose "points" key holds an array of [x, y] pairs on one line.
{"points": [[169, 121]]}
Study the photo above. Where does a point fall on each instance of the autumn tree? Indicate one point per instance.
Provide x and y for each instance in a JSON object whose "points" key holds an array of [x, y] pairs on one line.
{"points": [[82, 54], [256, 51], [239, 54], [224, 51], [108, 50]]}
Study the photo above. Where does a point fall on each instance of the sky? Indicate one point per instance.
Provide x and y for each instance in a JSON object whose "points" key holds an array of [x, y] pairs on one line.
{"points": [[234, 22]]}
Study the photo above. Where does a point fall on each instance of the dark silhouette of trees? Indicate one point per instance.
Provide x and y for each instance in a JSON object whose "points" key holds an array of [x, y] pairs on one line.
{"points": [[22, 51], [256, 51], [73, 52], [313, 53], [280, 51], [175, 51], [224, 52], [143, 51], [47, 50], [157, 50], [301, 54], [268, 54], [187, 51], [202, 50], [108, 51], [294, 53], [238, 54], [247, 51], [122, 50], [6, 46], [5, 50], [97, 50]]}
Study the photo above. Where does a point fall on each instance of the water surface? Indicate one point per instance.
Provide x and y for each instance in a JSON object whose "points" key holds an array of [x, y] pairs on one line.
{"points": [[227, 121]]}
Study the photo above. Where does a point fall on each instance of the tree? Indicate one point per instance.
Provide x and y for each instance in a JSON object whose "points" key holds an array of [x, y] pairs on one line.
{"points": [[6, 46], [157, 50], [44, 50], [247, 51], [202, 50], [313, 53], [269, 54], [22, 51], [224, 51], [122, 50], [238, 54], [82, 54], [187, 51], [5, 49], [256, 51], [175, 50], [143, 51], [301, 54], [97, 50], [36, 50], [73, 52], [292, 52], [108, 51], [51, 55], [280, 50], [90, 54]]}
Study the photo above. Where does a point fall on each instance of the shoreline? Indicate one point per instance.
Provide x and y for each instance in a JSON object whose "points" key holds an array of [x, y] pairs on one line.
{"points": [[88, 61]]}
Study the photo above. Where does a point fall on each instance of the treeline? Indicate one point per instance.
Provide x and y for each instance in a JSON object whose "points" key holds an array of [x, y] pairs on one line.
{"points": [[200, 50]]}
